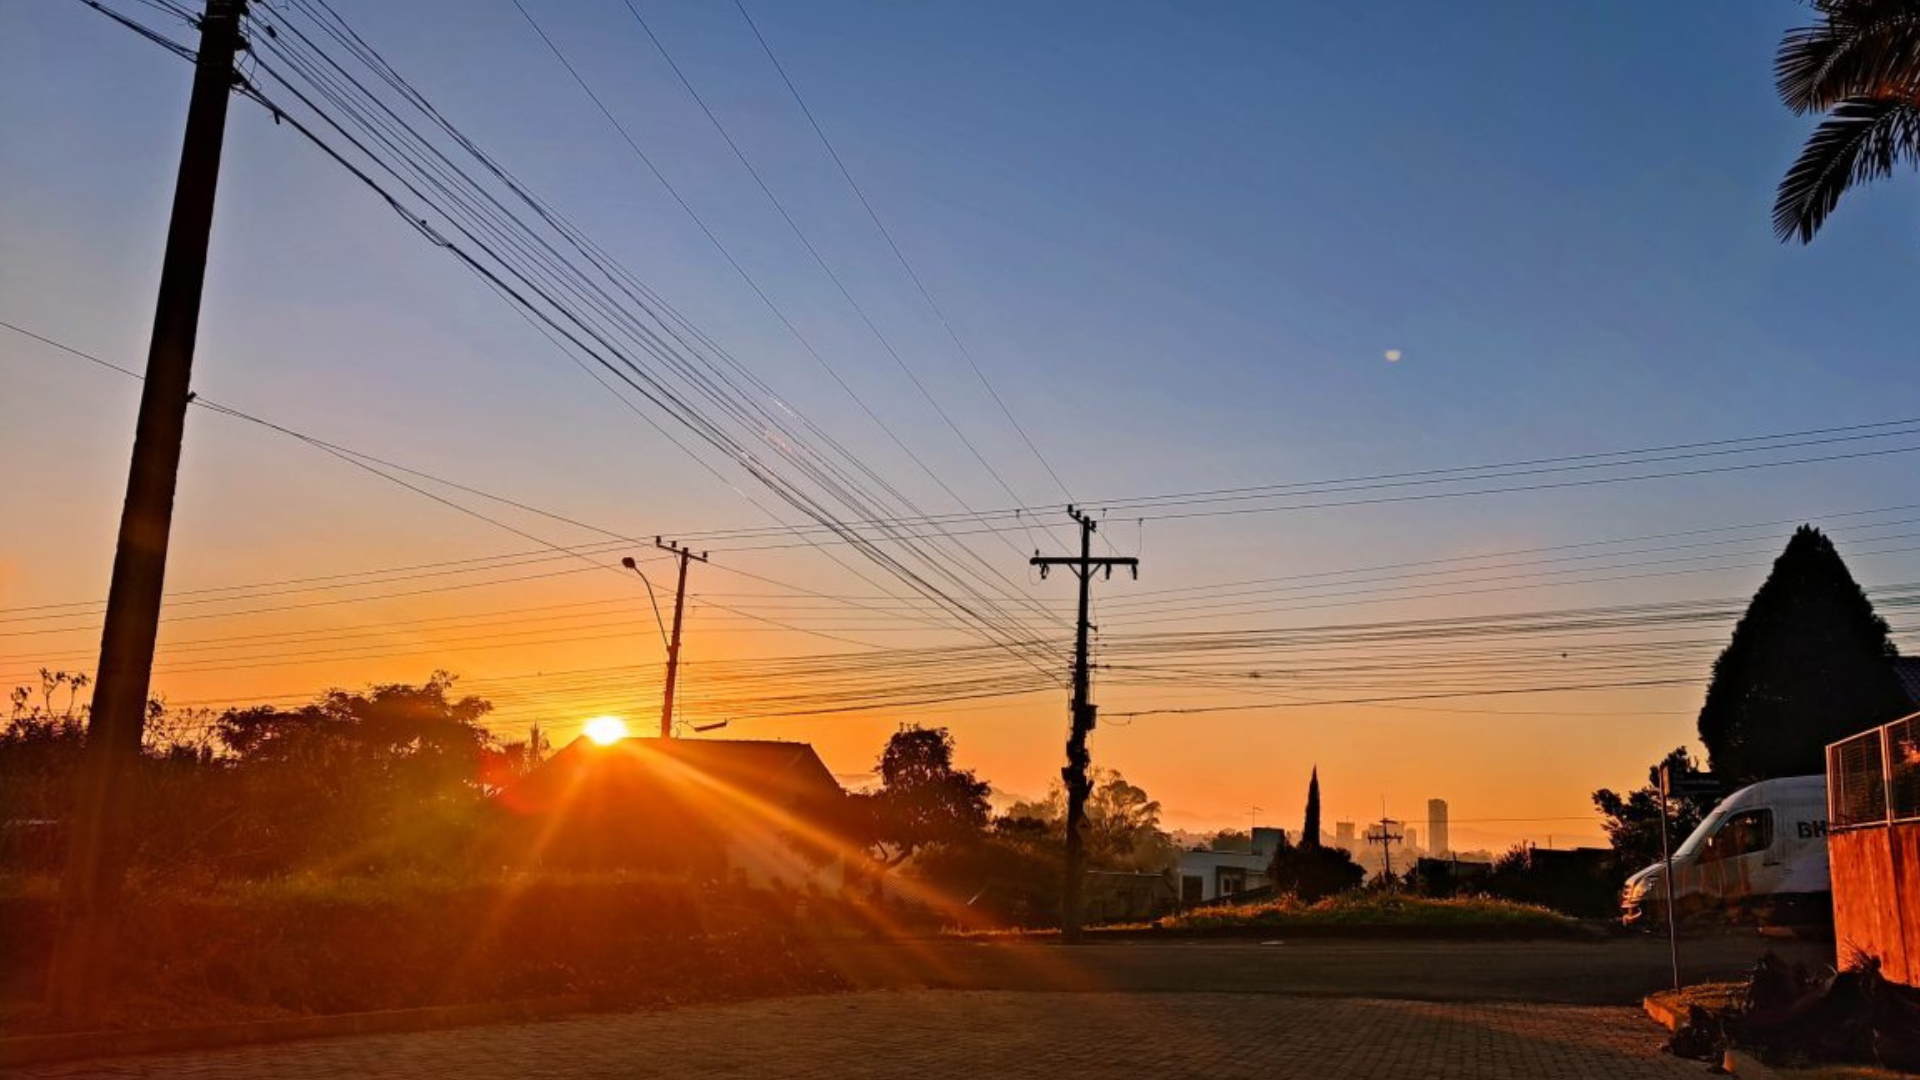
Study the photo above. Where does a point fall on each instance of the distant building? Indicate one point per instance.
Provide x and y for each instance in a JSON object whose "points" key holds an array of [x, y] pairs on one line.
{"points": [[1450, 877], [1437, 840], [1343, 834], [1411, 838], [1111, 895], [1215, 875]]}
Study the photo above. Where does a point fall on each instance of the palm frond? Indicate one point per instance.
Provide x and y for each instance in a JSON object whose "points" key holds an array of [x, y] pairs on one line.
{"points": [[1863, 48], [1861, 140]]}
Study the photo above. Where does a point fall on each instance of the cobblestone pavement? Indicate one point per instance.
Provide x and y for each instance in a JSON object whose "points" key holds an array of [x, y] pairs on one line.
{"points": [[931, 1035]]}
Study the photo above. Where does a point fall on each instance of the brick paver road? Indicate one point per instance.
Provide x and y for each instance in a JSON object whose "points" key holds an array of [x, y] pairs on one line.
{"points": [[976, 1035]]}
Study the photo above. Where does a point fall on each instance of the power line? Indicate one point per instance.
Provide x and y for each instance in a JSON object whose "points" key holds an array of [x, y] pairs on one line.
{"points": [[893, 246], [819, 260]]}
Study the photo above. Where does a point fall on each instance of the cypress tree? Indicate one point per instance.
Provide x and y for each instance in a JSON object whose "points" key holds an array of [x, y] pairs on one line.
{"points": [[1809, 663], [1310, 828]]}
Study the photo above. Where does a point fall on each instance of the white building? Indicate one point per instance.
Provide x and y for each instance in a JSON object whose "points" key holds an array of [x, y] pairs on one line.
{"points": [[1210, 875]]}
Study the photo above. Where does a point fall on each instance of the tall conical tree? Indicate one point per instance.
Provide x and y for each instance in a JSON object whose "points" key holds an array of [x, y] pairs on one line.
{"points": [[1809, 663], [1310, 828]]}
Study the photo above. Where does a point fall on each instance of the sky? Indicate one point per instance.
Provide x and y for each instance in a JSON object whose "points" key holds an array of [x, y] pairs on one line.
{"points": [[1189, 247]]}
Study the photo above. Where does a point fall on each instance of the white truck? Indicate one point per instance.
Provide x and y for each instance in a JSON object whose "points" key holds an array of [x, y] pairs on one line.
{"points": [[1763, 850]]}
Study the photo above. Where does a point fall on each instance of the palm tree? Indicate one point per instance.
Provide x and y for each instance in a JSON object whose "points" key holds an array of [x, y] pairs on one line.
{"points": [[1861, 66]]}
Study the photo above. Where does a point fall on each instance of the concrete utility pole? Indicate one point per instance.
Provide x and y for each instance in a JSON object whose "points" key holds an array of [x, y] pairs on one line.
{"points": [[1081, 717], [673, 646], [96, 844]]}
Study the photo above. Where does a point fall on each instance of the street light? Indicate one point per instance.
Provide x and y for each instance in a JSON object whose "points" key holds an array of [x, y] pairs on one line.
{"points": [[662, 623], [657, 620]]}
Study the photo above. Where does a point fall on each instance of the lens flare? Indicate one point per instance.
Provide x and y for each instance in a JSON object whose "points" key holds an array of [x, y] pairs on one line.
{"points": [[606, 730]]}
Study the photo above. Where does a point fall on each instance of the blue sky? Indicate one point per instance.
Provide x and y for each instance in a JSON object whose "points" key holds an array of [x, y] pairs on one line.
{"points": [[1178, 238]]}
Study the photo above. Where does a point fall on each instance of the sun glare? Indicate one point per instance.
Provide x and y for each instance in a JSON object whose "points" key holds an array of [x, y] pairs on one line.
{"points": [[605, 730]]}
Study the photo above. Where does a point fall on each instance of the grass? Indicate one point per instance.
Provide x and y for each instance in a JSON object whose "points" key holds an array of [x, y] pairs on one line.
{"points": [[313, 944], [1375, 910]]}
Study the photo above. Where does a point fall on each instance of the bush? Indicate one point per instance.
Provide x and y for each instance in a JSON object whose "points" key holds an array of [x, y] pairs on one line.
{"points": [[1377, 910]]}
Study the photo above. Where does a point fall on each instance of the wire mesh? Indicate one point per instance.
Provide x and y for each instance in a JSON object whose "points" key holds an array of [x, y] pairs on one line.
{"points": [[1856, 781]]}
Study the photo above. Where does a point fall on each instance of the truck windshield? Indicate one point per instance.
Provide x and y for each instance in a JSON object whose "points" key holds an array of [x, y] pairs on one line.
{"points": [[1708, 826]]}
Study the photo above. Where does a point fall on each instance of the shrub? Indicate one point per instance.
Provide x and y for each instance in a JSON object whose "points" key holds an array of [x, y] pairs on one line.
{"points": [[1381, 910]]}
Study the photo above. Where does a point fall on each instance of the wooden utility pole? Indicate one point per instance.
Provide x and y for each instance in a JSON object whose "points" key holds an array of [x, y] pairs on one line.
{"points": [[1386, 838], [1081, 715], [673, 646], [97, 840]]}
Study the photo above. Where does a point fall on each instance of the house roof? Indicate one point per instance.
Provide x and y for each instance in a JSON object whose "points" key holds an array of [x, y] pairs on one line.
{"points": [[787, 774]]}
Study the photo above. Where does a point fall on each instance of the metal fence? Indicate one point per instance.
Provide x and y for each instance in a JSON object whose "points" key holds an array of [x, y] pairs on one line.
{"points": [[1874, 777], [1902, 751]]}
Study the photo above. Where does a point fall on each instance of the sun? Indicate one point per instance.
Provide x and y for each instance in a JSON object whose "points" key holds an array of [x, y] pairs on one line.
{"points": [[606, 730]]}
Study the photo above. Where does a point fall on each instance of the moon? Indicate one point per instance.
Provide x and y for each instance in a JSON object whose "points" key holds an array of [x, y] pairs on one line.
{"points": [[1393, 356]]}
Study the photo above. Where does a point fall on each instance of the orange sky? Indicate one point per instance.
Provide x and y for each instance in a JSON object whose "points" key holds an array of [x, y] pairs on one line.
{"points": [[1154, 297], [1494, 759]]}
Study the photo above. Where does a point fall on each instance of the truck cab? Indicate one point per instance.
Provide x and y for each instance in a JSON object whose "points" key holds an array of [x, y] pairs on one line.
{"points": [[1764, 848]]}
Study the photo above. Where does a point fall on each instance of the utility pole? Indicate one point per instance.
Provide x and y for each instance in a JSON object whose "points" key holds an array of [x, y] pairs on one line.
{"points": [[1081, 715], [96, 845], [1384, 835], [673, 646]]}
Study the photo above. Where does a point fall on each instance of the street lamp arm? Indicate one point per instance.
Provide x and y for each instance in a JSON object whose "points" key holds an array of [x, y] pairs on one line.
{"points": [[657, 620]]}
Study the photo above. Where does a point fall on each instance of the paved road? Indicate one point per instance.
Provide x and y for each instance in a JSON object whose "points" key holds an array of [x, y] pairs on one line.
{"points": [[1328, 1010], [932, 1035]]}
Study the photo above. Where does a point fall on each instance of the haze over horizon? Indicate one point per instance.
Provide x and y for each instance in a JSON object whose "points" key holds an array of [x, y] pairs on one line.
{"points": [[1305, 250]]}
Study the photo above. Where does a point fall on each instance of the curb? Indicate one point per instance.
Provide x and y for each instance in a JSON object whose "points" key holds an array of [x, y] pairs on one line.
{"points": [[1732, 1062], [1741, 1063], [37, 1049], [1662, 1013]]}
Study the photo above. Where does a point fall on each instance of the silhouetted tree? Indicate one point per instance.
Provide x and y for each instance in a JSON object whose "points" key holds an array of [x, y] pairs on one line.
{"points": [[359, 780], [1012, 875], [1861, 66], [1310, 826], [1123, 827], [1633, 819], [1010, 878], [1567, 882], [1311, 873], [1230, 840], [1809, 663], [923, 800], [41, 749], [1123, 824]]}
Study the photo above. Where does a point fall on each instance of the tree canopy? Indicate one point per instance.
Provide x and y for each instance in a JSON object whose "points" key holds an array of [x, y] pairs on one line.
{"points": [[1860, 65], [1308, 869], [1632, 819], [1809, 663], [1311, 872], [1310, 822], [1123, 824], [923, 799]]}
